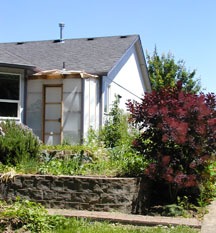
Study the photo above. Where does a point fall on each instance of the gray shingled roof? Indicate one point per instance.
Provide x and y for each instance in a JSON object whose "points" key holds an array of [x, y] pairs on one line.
{"points": [[94, 55]]}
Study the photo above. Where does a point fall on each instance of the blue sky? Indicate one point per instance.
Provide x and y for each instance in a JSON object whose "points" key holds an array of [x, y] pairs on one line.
{"points": [[186, 28]]}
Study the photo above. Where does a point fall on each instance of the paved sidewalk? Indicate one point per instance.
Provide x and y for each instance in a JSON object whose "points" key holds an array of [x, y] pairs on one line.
{"points": [[209, 221], [127, 218]]}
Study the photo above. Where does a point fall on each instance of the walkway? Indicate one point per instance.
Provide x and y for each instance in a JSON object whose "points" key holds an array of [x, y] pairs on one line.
{"points": [[127, 218], [208, 225], [209, 221]]}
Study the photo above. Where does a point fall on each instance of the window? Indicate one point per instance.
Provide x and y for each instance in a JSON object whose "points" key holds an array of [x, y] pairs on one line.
{"points": [[9, 95]]}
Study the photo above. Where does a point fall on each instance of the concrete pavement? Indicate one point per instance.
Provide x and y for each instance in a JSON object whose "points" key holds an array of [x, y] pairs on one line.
{"points": [[209, 221], [208, 225], [132, 219]]}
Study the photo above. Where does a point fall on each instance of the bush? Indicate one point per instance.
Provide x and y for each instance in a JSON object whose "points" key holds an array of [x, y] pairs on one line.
{"points": [[115, 128], [17, 143], [116, 138], [28, 216], [178, 136]]}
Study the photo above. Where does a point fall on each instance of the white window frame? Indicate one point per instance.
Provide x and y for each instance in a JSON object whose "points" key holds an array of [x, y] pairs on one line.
{"points": [[13, 101]]}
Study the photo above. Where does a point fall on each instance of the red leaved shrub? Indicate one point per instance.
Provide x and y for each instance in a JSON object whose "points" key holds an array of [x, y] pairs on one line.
{"points": [[178, 135]]}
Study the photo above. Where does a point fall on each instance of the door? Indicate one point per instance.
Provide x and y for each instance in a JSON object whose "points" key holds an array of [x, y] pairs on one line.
{"points": [[52, 114]]}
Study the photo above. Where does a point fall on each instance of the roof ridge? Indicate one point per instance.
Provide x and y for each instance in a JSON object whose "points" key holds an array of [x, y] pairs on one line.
{"points": [[94, 55], [79, 38]]}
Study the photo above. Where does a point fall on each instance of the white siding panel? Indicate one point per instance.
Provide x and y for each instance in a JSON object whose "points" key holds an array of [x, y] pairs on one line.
{"points": [[72, 110], [72, 101], [91, 105], [34, 107], [70, 84], [127, 82], [34, 86]]}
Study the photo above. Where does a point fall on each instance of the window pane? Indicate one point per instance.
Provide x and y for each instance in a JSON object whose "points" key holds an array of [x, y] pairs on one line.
{"points": [[8, 109], [9, 86], [53, 94]]}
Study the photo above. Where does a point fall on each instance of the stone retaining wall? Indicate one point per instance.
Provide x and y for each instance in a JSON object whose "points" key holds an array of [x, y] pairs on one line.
{"points": [[128, 195]]}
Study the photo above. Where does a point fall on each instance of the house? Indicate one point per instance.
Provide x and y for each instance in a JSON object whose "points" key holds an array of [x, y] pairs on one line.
{"points": [[60, 88]]}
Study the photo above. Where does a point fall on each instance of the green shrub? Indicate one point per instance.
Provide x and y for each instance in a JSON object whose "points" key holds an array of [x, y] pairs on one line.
{"points": [[28, 216], [17, 144], [116, 127], [116, 138], [130, 162]]}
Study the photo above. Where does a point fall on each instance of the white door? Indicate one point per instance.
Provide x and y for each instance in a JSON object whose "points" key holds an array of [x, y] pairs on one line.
{"points": [[52, 117]]}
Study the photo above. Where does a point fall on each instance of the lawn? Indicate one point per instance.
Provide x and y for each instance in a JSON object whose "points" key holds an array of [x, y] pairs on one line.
{"points": [[84, 226]]}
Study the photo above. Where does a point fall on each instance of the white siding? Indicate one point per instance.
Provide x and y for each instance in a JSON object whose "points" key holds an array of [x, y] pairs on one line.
{"points": [[125, 80], [91, 105], [72, 117], [34, 106]]}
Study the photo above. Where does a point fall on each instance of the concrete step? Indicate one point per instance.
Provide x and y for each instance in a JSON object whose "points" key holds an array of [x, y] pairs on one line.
{"points": [[132, 219]]}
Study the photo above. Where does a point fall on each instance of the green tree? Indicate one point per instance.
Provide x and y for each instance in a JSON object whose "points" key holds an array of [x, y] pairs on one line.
{"points": [[164, 71]]}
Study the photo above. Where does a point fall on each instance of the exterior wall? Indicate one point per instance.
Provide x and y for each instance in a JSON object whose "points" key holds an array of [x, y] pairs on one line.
{"points": [[91, 105], [20, 72], [35, 106], [71, 109], [125, 80], [129, 195]]}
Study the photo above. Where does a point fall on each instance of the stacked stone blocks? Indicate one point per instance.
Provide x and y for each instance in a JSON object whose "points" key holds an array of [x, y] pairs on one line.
{"points": [[77, 192]]}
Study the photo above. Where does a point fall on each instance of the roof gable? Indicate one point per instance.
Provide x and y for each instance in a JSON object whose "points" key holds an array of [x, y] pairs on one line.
{"points": [[94, 55]]}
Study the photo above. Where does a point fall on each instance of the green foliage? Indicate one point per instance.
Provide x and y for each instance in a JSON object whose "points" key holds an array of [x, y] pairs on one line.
{"points": [[116, 138], [173, 210], [116, 128], [74, 149], [164, 71], [18, 143], [118, 161], [74, 165], [130, 162], [208, 185], [85, 226], [29, 215]]}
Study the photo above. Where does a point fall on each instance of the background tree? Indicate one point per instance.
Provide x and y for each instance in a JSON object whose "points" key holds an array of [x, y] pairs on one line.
{"points": [[165, 71]]}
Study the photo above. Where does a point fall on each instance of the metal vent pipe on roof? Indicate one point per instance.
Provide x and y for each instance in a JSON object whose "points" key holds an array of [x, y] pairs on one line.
{"points": [[61, 25]]}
